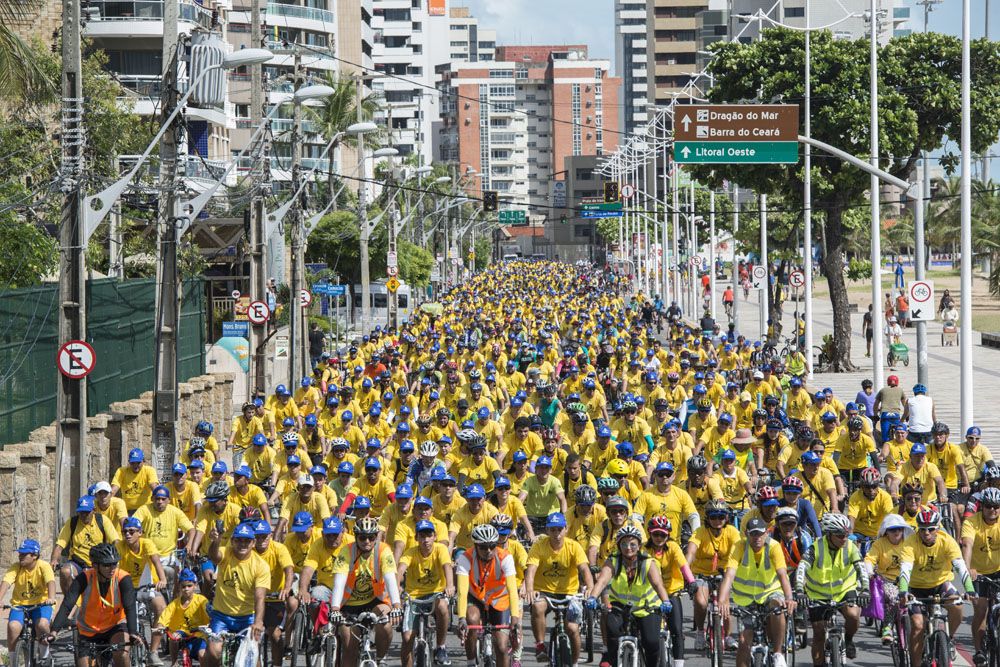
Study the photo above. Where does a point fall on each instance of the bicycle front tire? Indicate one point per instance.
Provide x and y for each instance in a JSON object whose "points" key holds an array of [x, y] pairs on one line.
{"points": [[21, 657], [589, 636], [718, 641], [836, 656], [761, 659], [627, 655], [421, 651], [941, 653], [666, 650]]}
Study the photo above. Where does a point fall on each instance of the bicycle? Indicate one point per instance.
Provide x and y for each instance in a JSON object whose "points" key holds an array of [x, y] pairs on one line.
{"points": [[301, 637], [484, 649], [991, 640], [714, 638], [835, 647], [937, 640], [629, 649], [423, 611], [589, 620], [366, 642], [238, 649], [183, 651], [900, 631], [760, 650], [100, 655], [265, 648], [560, 648], [24, 650]]}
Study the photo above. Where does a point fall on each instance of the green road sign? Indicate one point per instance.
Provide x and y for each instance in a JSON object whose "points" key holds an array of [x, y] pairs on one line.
{"points": [[611, 206], [512, 217], [736, 152]]}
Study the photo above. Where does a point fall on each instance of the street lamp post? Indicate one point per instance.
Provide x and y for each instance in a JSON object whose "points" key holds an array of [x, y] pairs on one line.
{"points": [[965, 305], [365, 234], [876, 228]]}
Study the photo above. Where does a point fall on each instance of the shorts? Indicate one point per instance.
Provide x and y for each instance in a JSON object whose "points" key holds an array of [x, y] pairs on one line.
{"points": [[411, 609], [75, 566], [358, 609], [18, 614], [747, 619], [818, 613], [489, 615], [92, 646], [195, 645], [947, 589], [207, 565], [984, 592], [220, 622], [274, 613], [574, 612]]}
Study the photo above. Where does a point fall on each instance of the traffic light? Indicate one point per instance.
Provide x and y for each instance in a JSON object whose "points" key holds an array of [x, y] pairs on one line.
{"points": [[611, 193], [490, 201]]}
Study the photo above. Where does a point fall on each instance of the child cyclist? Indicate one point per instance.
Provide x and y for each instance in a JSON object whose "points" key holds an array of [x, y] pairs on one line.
{"points": [[183, 616], [34, 592]]}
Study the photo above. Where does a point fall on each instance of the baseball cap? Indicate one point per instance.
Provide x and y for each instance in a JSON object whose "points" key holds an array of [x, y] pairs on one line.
{"points": [[424, 500], [501, 482], [404, 491], [664, 466], [261, 527], [333, 526], [424, 525], [373, 463], [305, 479], [918, 448], [406, 445], [555, 520], [136, 456], [179, 469], [519, 456], [973, 431], [345, 468], [475, 491], [85, 504], [161, 492], [132, 522], [362, 503], [243, 531], [301, 522], [293, 460], [756, 526], [187, 574], [197, 463], [543, 461], [102, 486], [242, 471], [220, 466], [810, 458], [30, 546]]}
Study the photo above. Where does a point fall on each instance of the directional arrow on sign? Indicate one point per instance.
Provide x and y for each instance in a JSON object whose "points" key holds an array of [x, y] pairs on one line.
{"points": [[686, 151], [686, 122], [916, 313]]}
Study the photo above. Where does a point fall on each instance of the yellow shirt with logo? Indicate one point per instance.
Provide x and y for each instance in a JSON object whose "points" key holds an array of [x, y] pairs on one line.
{"points": [[985, 544], [162, 528], [298, 549], [136, 562], [886, 558], [425, 574], [29, 587], [931, 565], [558, 569], [712, 551], [868, 514], [186, 499], [948, 459], [237, 581], [136, 488], [926, 475], [85, 536], [178, 617], [277, 558], [675, 504]]}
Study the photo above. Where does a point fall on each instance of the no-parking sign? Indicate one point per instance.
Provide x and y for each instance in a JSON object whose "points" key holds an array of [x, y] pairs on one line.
{"points": [[76, 359]]}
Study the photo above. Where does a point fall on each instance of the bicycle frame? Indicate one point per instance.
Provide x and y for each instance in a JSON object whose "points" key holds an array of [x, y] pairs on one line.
{"points": [[484, 650], [559, 635], [28, 636], [366, 640], [422, 611], [760, 650]]}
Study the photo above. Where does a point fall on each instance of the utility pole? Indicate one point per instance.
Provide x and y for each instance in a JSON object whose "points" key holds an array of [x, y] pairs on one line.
{"points": [[765, 292], [736, 267], [168, 293], [878, 357], [296, 331], [365, 234], [807, 204], [965, 305], [711, 250], [116, 268], [258, 240], [73, 455]]}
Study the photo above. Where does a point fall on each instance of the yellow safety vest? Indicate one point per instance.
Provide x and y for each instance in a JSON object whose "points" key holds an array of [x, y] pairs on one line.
{"points": [[637, 593], [755, 584], [832, 576]]}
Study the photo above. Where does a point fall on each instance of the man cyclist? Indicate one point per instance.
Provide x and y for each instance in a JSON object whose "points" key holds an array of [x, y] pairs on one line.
{"points": [[488, 593], [279, 603], [981, 550], [77, 537], [107, 614], [431, 581], [830, 573], [33, 584]]}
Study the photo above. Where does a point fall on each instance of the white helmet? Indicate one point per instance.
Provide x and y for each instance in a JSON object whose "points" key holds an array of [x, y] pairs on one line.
{"points": [[485, 533], [628, 530], [833, 522], [467, 436], [429, 448], [990, 495]]}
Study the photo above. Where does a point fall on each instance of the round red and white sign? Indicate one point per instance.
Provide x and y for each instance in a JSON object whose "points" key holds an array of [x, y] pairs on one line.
{"points": [[920, 292], [797, 279], [627, 191], [258, 312], [76, 359], [305, 298], [759, 272]]}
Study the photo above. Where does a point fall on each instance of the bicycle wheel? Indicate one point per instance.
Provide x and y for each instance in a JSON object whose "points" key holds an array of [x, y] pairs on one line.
{"points": [[833, 646], [718, 643], [139, 654], [666, 650], [21, 657], [421, 654], [940, 651], [589, 633], [295, 641], [485, 653], [760, 659], [627, 656], [564, 652]]}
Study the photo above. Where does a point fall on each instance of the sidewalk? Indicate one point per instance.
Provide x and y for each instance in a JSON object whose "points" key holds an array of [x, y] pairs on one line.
{"points": [[943, 365]]}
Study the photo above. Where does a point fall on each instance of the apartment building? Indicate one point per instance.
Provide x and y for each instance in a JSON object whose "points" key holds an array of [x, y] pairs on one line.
{"points": [[467, 42], [671, 46], [511, 123], [631, 62]]}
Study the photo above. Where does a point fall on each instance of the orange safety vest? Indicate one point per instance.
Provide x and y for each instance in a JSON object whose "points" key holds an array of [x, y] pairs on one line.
{"points": [[378, 583], [98, 613], [487, 582]]}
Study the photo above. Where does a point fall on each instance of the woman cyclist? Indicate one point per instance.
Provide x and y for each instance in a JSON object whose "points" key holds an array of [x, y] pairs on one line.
{"points": [[675, 573]]}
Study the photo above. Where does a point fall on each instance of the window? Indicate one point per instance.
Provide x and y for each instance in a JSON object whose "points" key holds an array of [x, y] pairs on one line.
{"points": [[577, 139], [674, 35], [397, 14], [457, 27], [499, 122], [677, 12], [522, 72], [795, 12], [501, 91], [503, 107], [418, 26], [398, 96], [242, 110], [457, 43], [501, 74]]}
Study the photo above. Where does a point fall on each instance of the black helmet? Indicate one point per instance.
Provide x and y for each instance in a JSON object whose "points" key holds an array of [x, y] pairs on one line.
{"points": [[940, 427], [697, 463], [104, 554], [855, 424]]}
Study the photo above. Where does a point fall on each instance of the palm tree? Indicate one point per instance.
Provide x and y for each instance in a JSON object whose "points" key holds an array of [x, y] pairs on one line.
{"points": [[944, 214], [338, 112], [21, 76]]}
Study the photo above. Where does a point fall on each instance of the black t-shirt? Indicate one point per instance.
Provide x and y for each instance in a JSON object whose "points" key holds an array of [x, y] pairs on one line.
{"points": [[316, 338]]}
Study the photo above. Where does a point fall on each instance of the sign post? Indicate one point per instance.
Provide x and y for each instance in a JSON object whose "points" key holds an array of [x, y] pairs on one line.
{"points": [[737, 134]]}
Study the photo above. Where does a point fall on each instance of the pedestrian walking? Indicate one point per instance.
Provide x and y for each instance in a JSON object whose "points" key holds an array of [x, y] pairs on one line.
{"points": [[899, 275], [903, 309], [866, 329]]}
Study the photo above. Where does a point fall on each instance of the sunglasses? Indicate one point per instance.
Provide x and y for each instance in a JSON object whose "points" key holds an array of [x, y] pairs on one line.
{"points": [[990, 507], [364, 538], [932, 529], [131, 531]]}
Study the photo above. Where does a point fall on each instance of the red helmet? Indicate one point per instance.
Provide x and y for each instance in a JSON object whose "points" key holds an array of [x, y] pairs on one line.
{"points": [[792, 483], [892, 381], [660, 524], [871, 476], [766, 493], [928, 518]]}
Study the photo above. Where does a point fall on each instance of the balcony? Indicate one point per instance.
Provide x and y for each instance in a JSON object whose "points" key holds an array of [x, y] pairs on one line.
{"points": [[278, 11], [140, 18]]}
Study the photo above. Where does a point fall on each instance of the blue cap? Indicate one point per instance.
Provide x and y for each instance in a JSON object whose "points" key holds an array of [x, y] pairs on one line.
{"points": [[918, 448], [483, 413], [501, 483], [901, 426], [516, 402], [333, 526], [242, 471], [555, 520], [819, 396], [259, 440], [197, 463], [726, 417], [136, 456], [187, 574], [220, 466], [424, 525], [811, 457], [293, 460], [261, 527], [318, 470], [604, 432], [345, 468], [362, 503], [346, 415], [403, 427], [404, 491], [180, 469], [161, 492], [282, 390], [475, 491], [366, 383], [311, 420], [520, 456], [375, 410], [406, 446], [728, 454], [243, 531], [373, 463], [664, 466], [626, 448], [543, 461], [829, 417], [772, 502], [30, 546], [85, 504], [373, 443], [438, 473], [301, 522], [973, 431], [424, 500], [795, 382], [132, 522]]}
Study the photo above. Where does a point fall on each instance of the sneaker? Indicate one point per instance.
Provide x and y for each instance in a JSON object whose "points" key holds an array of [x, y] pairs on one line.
{"points": [[979, 659], [540, 654], [778, 660], [851, 650], [954, 651], [887, 635], [699, 642], [731, 644], [154, 660], [441, 656]]}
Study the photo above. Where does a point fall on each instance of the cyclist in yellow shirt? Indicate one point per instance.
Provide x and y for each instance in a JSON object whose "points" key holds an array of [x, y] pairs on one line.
{"points": [[857, 451], [430, 585], [868, 506], [184, 616], [282, 406], [34, 592], [476, 511], [707, 554], [950, 462], [818, 486], [981, 550], [279, 603], [919, 470], [134, 481], [76, 537]]}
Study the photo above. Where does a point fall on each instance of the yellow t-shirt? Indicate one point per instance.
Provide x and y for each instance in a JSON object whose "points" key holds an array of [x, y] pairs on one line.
{"points": [[854, 453], [947, 460], [868, 514], [136, 488], [711, 551], [316, 506], [180, 618], [321, 559], [136, 562], [207, 517], [298, 549], [822, 481], [262, 461], [364, 583], [733, 487], [558, 569], [116, 511], [478, 474], [236, 582], [885, 557], [378, 492], [582, 528], [926, 476], [670, 560], [253, 497], [425, 574], [162, 528], [406, 532], [29, 586], [85, 536], [445, 511], [985, 544], [277, 558], [931, 565], [185, 500], [464, 521], [244, 431], [675, 504]]}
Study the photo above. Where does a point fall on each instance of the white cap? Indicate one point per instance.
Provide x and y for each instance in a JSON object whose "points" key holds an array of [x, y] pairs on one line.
{"points": [[306, 478], [895, 521], [757, 375], [102, 486]]}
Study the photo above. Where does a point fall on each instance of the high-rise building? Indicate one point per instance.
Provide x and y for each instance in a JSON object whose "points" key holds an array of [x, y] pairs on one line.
{"points": [[671, 46], [511, 123], [411, 39], [631, 62], [467, 42]]}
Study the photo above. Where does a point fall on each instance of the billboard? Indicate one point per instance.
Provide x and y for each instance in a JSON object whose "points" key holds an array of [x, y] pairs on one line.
{"points": [[436, 7]]}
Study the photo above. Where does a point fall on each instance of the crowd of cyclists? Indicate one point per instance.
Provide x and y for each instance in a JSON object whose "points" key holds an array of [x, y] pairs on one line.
{"points": [[534, 450]]}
